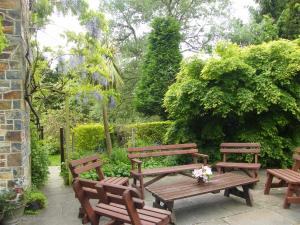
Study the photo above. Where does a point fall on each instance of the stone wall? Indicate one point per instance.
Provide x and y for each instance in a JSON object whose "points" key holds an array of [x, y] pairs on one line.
{"points": [[14, 114]]}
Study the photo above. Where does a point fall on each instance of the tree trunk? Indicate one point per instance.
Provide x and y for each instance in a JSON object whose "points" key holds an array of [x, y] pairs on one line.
{"points": [[106, 129]]}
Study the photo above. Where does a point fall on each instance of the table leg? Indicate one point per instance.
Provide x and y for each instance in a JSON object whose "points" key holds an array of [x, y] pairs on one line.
{"points": [[245, 194], [159, 203]]}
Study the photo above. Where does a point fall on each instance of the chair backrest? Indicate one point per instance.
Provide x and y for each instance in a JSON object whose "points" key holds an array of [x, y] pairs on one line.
{"points": [[162, 150], [81, 188], [129, 197], [296, 157], [240, 148], [80, 166]]}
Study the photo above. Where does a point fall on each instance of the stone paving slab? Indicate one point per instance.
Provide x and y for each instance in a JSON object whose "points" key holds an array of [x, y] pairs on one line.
{"points": [[209, 209]]}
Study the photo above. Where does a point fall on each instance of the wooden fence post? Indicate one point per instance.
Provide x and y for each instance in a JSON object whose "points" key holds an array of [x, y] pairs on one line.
{"points": [[62, 150]]}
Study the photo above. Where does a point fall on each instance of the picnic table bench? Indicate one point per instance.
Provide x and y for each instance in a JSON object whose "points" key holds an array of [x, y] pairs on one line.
{"points": [[250, 168], [166, 194], [80, 166], [289, 178], [134, 154], [122, 204]]}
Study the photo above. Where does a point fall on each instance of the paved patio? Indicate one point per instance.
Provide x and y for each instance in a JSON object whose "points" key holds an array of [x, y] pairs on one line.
{"points": [[210, 209]]}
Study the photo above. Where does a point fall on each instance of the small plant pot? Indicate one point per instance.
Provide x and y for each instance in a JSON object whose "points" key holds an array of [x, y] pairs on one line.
{"points": [[13, 217]]}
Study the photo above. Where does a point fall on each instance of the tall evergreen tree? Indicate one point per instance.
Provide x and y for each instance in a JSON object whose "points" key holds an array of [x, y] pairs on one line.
{"points": [[161, 63]]}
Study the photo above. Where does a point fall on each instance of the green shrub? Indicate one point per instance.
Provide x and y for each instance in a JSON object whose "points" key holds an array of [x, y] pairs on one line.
{"points": [[89, 137], [35, 200], [51, 145], [39, 161], [151, 133], [248, 94]]}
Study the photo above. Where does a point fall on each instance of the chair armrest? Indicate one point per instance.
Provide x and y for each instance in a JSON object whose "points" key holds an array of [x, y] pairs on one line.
{"points": [[138, 162], [203, 156]]}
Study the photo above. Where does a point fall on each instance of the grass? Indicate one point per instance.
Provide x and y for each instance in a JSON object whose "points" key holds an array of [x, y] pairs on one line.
{"points": [[54, 160]]}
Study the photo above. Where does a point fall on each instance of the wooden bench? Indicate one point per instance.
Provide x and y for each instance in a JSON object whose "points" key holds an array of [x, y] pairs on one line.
{"points": [[119, 203], [165, 195], [289, 178], [163, 150], [250, 168], [89, 163]]}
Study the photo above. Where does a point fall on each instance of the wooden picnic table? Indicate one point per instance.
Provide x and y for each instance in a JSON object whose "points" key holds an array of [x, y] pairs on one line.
{"points": [[166, 194]]}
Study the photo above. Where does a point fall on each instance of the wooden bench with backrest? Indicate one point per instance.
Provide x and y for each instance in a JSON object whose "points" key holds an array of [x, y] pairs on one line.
{"points": [[250, 168], [80, 166], [137, 153], [119, 203], [289, 178]]}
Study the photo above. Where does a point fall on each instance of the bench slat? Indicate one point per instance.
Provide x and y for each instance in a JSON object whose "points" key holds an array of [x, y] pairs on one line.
{"points": [[162, 153], [240, 150], [162, 147], [87, 167], [236, 144], [239, 165], [77, 162], [166, 170], [287, 175]]}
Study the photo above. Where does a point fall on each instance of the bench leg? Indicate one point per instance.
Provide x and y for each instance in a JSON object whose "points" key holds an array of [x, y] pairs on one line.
{"points": [[289, 193], [268, 184]]}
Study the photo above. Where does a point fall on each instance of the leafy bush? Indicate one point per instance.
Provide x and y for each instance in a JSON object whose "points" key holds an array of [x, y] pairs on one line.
{"points": [[51, 145], [249, 94], [89, 137], [39, 161], [35, 200], [150, 133]]}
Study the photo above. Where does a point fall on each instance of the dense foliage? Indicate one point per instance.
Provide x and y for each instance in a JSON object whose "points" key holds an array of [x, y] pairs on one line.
{"points": [[160, 66], [286, 14], [39, 161], [246, 94], [89, 137]]}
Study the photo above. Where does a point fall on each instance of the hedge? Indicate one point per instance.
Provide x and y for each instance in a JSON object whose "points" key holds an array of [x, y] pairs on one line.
{"points": [[151, 133], [89, 137]]}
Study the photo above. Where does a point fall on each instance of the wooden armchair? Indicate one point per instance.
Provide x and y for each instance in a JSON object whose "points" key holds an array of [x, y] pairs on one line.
{"points": [[86, 164], [119, 203], [287, 178]]}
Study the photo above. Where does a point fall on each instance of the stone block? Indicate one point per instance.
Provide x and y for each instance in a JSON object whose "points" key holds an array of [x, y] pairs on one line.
{"points": [[8, 29], [13, 74], [17, 124], [2, 118], [4, 147], [14, 65], [6, 176], [1, 138], [2, 75], [17, 104], [9, 4], [2, 160], [5, 105], [3, 184], [9, 121], [15, 85], [7, 126], [14, 159], [15, 114], [4, 56], [13, 136], [16, 147], [18, 172], [12, 95], [7, 22], [15, 14], [4, 83], [3, 66]]}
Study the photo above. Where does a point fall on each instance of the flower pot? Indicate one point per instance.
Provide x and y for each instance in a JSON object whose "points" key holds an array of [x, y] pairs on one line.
{"points": [[14, 216]]}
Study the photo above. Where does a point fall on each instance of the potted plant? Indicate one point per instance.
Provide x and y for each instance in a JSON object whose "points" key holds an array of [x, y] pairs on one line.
{"points": [[35, 201], [13, 203]]}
